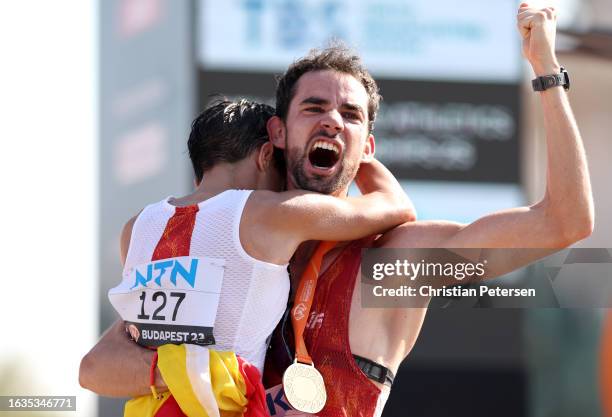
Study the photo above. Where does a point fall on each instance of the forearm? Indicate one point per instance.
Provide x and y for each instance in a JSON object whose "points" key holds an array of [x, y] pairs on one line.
{"points": [[382, 206], [567, 206], [118, 367], [568, 188]]}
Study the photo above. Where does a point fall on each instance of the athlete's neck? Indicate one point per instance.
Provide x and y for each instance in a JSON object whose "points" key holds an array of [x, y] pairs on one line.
{"points": [[220, 178], [225, 176]]}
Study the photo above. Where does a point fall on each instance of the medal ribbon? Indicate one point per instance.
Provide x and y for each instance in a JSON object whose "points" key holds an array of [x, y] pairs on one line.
{"points": [[303, 300]]}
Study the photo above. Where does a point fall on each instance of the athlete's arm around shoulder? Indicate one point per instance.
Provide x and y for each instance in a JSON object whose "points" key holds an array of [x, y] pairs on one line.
{"points": [[286, 219], [116, 366]]}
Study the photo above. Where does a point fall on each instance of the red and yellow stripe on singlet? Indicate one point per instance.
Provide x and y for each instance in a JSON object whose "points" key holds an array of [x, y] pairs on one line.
{"points": [[201, 382]]}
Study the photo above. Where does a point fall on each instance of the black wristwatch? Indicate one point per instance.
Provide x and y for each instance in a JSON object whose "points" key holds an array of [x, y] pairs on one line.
{"points": [[554, 80]]}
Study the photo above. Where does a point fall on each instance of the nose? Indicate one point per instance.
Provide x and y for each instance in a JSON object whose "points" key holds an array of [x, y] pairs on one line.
{"points": [[332, 122]]}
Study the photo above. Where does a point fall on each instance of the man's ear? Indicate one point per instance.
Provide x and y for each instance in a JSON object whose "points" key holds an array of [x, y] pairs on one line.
{"points": [[276, 131], [264, 156], [368, 149]]}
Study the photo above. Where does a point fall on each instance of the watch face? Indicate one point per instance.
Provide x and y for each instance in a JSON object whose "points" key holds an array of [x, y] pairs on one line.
{"points": [[552, 81], [566, 84]]}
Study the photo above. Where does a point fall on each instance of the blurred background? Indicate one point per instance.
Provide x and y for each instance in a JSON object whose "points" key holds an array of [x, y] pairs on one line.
{"points": [[97, 98]]}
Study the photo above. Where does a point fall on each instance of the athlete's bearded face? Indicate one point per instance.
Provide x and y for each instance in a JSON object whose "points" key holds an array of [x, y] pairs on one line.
{"points": [[325, 135], [305, 171]]}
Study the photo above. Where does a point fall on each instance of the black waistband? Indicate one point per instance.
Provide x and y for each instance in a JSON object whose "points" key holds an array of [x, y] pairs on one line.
{"points": [[375, 371]]}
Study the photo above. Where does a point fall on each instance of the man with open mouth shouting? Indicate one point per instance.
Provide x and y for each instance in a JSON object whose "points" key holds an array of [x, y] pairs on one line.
{"points": [[325, 120], [326, 105], [205, 275]]}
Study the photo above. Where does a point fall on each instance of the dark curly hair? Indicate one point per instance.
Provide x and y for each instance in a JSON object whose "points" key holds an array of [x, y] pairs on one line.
{"points": [[336, 57]]}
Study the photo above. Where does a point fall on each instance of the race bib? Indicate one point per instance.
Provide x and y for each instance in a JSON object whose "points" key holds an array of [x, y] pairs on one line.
{"points": [[171, 300]]}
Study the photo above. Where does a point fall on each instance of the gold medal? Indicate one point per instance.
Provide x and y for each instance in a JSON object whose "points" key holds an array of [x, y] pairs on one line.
{"points": [[304, 388]]}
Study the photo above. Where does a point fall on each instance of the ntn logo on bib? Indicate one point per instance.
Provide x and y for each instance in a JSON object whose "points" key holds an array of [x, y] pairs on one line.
{"points": [[172, 296], [173, 265], [185, 272]]}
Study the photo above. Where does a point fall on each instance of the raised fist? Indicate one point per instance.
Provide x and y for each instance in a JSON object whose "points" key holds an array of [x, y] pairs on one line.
{"points": [[538, 29]]}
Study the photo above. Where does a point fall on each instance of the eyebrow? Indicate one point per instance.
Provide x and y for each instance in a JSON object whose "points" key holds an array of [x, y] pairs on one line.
{"points": [[315, 100], [321, 102], [354, 107]]}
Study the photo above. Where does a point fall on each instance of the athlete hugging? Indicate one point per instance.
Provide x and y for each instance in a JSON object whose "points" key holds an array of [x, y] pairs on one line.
{"points": [[210, 269], [212, 266]]}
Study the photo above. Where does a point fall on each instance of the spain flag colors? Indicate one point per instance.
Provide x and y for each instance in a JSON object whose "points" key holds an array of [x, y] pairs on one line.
{"points": [[203, 383]]}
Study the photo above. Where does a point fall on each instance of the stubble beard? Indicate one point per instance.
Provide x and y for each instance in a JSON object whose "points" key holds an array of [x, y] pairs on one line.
{"points": [[296, 162]]}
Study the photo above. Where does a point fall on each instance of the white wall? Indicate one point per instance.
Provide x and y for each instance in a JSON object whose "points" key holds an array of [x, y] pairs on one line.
{"points": [[48, 100]]}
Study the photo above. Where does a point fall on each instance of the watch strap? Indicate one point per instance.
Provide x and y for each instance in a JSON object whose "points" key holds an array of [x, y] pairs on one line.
{"points": [[552, 80]]}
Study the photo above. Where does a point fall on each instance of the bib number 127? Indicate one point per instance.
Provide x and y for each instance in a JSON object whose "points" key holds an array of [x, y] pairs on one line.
{"points": [[160, 299]]}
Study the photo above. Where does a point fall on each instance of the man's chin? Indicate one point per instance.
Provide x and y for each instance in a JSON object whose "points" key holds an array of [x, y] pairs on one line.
{"points": [[324, 185], [319, 188]]}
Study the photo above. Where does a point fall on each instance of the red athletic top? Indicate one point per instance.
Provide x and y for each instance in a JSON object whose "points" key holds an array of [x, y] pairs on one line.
{"points": [[349, 391]]}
